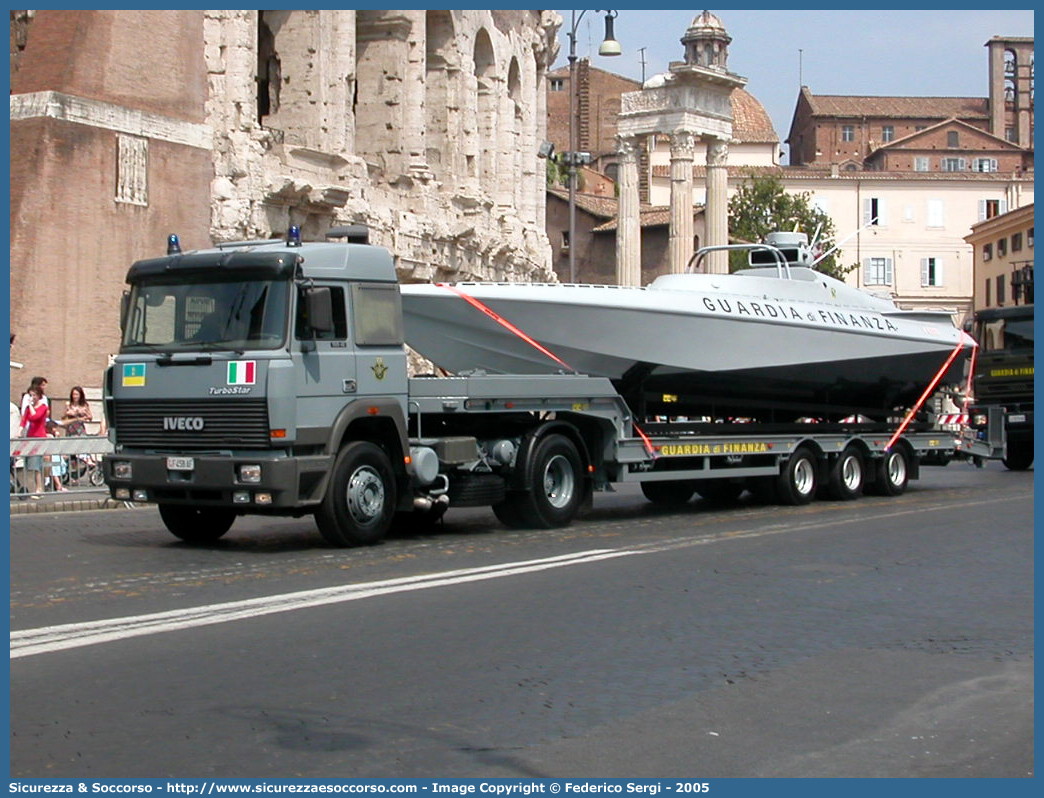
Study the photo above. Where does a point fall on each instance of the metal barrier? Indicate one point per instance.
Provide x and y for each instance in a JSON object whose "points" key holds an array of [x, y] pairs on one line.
{"points": [[75, 460]]}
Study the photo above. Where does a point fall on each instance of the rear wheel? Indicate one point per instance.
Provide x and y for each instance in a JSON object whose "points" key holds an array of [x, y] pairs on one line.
{"points": [[555, 477], [796, 484], [892, 473], [847, 475], [675, 492], [1019, 455], [719, 491], [196, 524], [359, 504]]}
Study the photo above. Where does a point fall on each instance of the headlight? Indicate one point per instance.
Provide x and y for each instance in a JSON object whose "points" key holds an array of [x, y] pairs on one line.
{"points": [[250, 473], [122, 469]]}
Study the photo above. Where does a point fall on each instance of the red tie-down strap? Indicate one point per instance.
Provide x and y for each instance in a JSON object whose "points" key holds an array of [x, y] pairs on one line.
{"points": [[931, 387], [507, 325]]}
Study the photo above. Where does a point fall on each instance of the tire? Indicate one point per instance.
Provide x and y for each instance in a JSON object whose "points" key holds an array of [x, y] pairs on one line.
{"points": [[719, 491], [359, 505], [847, 476], [796, 484], [555, 477], [95, 477], [674, 493], [892, 473], [196, 524], [1019, 455]]}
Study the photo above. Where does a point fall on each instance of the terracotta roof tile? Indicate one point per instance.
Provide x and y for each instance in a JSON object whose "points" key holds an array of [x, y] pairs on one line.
{"points": [[913, 107], [750, 120]]}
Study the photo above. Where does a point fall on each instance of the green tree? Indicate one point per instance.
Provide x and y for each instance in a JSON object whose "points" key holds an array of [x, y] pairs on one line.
{"points": [[761, 206]]}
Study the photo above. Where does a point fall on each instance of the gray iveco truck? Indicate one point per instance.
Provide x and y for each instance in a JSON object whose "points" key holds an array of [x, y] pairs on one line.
{"points": [[270, 377]]}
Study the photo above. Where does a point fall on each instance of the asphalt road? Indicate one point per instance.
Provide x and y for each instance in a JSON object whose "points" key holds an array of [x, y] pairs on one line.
{"points": [[883, 637]]}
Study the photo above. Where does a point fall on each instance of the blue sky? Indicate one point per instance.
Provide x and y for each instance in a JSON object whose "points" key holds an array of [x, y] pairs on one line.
{"points": [[931, 53]]}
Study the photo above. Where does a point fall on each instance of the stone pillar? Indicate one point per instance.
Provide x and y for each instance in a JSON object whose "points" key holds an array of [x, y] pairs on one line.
{"points": [[679, 247], [717, 210], [628, 224], [414, 114]]}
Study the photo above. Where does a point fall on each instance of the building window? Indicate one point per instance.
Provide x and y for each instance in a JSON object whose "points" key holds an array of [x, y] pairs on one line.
{"points": [[952, 139], [847, 133], [921, 163], [988, 284], [1009, 134], [991, 207], [984, 165], [1002, 247], [887, 133], [1029, 238], [565, 241], [931, 272], [936, 216], [877, 271], [556, 84], [919, 128], [1016, 242], [987, 251], [873, 211], [954, 164], [1000, 289], [132, 170]]}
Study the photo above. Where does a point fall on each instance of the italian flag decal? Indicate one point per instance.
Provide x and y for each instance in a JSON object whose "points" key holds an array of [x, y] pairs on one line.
{"points": [[241, 372]]}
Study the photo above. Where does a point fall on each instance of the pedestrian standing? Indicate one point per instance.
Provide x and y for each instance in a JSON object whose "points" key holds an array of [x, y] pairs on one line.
{"points": [[34, 423]]}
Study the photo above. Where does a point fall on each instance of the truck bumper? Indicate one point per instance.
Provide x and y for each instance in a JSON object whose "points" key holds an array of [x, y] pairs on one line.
{"points": [[286, 483]]}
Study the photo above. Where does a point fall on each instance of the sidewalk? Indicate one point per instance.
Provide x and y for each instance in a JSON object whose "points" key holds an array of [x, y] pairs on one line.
{"points": [[52, 502]]}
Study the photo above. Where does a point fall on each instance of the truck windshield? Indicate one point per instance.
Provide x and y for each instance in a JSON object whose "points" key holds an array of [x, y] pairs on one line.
{"points": [[178, 316], [1011, 334]]}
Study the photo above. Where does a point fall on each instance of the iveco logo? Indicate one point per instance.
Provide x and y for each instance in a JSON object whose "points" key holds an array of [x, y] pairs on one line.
{"points": [[183, 422]]}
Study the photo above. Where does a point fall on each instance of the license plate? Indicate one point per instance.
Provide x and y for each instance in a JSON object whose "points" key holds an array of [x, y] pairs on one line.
{"points": [[180, 463], [1017, 418]]}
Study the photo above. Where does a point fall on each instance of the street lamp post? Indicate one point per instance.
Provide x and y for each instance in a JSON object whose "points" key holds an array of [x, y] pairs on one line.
{"points": [[609, 47]]}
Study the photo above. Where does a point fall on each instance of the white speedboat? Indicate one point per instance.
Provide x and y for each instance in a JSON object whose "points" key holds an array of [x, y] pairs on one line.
{"points": [[784, 337]]}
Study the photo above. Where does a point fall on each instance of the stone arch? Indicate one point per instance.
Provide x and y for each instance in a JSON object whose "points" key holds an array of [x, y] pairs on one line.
{"points": [[440, 100], [485, 109]]}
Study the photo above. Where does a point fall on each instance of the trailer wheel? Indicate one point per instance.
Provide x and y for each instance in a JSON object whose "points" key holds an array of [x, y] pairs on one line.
{"points": [[796, 484], [556, 489], [847, 475], [196, 524], [1019, 455], [359, 504], [719, 491], [892, 474], [673, 493]]}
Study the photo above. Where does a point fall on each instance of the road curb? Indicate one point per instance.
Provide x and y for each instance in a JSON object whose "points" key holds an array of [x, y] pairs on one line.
{"points": [[27, 506]]}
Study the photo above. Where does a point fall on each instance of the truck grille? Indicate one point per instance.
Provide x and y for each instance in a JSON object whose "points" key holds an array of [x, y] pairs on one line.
{"points": [[192, 424]]}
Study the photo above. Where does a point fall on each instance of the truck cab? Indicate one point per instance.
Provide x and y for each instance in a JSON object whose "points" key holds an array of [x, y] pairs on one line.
{"points": [[243, 368], [1003, 377]]}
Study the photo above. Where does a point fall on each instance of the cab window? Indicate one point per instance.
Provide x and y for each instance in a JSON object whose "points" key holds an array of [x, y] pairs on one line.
{"points": [[377, 316], [340, 329]]}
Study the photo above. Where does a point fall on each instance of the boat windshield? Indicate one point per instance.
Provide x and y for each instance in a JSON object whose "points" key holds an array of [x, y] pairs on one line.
{"points": [[175, 316], [1012, 334]]}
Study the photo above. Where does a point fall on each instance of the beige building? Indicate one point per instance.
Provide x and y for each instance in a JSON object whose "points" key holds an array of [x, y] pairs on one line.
{"points": [[1003, 259], [127, 126]]}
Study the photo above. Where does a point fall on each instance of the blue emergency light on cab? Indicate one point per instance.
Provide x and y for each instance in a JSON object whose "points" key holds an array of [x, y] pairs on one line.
{"points": [[293, 236], [173, 245]]}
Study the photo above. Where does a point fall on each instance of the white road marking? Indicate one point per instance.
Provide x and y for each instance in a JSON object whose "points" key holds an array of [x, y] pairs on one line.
{"points": [[27, 642]]}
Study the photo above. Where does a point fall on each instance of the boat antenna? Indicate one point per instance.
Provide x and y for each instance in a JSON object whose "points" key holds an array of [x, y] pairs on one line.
{"points": [[815, 238], [841, 243]]}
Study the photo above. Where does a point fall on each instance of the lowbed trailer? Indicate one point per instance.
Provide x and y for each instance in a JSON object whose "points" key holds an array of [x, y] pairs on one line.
{"points": [[299, 403]]}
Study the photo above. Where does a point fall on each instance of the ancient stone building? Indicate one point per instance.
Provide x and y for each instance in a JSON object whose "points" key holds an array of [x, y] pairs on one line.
{"points": [[222, 125]]}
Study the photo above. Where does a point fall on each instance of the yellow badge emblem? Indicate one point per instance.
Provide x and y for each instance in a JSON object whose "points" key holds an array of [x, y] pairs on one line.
{"points": [[379, 369]]}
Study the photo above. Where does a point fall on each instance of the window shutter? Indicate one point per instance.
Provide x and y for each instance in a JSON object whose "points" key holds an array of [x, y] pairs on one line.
{"points": [[939, 279], [982, 210], [882, 213], [866, 271], [1003, 206], [888, 271], [925, 273], [867, 211]]}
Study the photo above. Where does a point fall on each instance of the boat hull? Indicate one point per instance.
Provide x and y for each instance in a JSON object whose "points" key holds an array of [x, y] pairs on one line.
{"points": [[710, 351]]}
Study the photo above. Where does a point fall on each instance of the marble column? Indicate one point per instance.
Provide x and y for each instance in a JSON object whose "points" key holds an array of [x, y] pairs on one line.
{"points": [[628, 222], [679, 243], [717, 210]]}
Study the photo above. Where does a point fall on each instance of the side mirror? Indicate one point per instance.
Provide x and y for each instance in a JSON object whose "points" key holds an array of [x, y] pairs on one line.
{"points": [[319, 307], [124, 309]]}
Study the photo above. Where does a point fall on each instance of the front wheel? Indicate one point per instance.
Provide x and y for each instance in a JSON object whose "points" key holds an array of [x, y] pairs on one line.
{"points": [[1019, 455], [196, 524], [359, 504]]}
